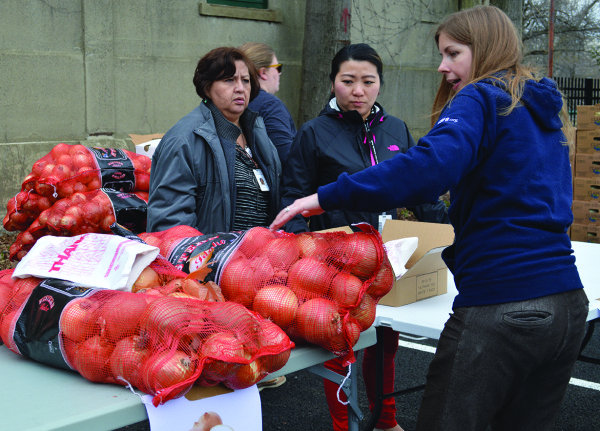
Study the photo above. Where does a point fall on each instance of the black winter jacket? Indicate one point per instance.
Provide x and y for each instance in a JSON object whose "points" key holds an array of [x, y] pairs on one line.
{"points": [[337, 142]]}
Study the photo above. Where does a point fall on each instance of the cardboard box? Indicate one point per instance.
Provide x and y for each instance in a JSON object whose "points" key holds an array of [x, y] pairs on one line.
{"points": [[586, 212], [588, 117], [586, 189], [427, 273], [585, 233], [587, 165], [146, 144], [588, 142]]}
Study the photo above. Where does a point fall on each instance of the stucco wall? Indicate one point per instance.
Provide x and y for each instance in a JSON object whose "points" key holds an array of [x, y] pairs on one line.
{"points": [[92, 71]]}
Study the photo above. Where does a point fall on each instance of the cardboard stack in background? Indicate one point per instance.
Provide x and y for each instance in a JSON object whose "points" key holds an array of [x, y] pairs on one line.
{"points": [[586, 180]]}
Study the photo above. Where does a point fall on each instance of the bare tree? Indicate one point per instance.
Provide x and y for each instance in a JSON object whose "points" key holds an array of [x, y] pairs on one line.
{"points": [[326, 31], [514, 10], [576, 35]]}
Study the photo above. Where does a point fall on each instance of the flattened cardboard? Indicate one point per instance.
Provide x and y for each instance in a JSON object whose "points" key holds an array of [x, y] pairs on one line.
{"points": [[141, 139], [146, 144], [427, 273]]}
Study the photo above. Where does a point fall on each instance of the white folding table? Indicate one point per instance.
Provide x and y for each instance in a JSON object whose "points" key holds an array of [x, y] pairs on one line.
{"points": [[426, 318], [38, 397]]}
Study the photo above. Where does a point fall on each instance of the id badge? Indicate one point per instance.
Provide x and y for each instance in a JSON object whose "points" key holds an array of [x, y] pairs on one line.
{"points": [[262, 182], [383, 217]]}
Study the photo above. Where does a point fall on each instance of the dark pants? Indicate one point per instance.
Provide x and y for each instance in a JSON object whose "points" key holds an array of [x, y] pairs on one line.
{"points": [[505, 365]]}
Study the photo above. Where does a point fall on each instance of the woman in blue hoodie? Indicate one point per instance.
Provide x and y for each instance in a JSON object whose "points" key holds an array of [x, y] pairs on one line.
{"points": [[500, 144]]}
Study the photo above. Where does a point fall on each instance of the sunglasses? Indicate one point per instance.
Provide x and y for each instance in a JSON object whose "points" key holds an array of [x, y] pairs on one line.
{"points": [[277, 66]]}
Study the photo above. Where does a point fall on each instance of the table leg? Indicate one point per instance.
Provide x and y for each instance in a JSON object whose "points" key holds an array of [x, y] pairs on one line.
{"points": [[350, 388], [379, 376]]}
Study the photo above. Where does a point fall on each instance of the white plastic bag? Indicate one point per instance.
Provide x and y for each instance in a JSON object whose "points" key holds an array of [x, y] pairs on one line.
{"points": [[399, 252], [91, 260]]}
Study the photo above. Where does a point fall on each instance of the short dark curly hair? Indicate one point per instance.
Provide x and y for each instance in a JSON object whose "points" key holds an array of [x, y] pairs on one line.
{"points": [[218, 64]]}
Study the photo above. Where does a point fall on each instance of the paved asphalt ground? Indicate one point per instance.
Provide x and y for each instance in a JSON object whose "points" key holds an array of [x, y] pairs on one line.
{"points": [[300, 404]]}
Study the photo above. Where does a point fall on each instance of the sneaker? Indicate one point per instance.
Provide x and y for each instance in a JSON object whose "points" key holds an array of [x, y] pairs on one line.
{"points": [[270, 384]]}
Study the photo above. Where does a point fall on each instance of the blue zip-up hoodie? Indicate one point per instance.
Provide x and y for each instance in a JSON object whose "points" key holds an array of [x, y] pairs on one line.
{"points": [[509, 178]]}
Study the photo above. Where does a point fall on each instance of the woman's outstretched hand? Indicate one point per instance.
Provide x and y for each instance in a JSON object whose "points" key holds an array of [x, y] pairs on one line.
{"points": [[308, 206]]}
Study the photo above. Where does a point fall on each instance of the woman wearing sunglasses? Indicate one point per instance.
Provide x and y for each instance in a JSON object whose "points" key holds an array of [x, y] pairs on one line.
{"points": [[278, 121]]}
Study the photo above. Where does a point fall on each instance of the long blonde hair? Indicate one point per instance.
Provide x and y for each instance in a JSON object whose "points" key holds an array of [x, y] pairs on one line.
{"points": [[497, 53]]}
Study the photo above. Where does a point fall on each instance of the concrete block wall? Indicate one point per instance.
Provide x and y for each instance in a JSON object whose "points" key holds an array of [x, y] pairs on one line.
{"points": [[93, 71]]}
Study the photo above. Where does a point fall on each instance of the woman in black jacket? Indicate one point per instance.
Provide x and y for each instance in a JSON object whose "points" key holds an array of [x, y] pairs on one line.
{"points": [[350, 134]]}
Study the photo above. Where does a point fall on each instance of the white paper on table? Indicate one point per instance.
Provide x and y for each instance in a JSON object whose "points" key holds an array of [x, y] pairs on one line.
{"points": [[399, 251], [239, 410], [91, 260]]}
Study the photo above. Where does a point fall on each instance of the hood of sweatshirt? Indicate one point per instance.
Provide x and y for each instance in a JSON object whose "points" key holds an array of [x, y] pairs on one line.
{"points": [[542, 99]]}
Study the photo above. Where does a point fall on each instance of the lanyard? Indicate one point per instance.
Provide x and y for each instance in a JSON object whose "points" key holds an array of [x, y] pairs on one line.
{"points": [[247, 153], [370, 138]]}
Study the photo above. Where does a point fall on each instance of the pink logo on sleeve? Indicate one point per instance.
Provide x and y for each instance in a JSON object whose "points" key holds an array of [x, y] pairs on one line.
{"points": [[393, 148]]}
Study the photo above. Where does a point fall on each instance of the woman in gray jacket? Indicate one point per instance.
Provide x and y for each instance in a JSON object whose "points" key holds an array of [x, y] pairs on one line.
{"points": [[216, 169]]}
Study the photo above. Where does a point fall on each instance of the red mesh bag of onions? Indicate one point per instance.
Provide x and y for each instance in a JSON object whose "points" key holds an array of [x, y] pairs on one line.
{"points": [[161, 345], [84, 212], [320, 288], [69, 169], [24, 208]]}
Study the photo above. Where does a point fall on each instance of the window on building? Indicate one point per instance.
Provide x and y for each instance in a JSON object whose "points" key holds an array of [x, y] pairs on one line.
{"points": [[260, 4]]}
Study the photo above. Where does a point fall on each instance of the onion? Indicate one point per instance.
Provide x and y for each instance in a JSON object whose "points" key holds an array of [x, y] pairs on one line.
{"points": [[246, 375], [318, 321], [207, 421], [91, 359], [126, 360], [237, 282], [165, 369], [224, 351], [121, 315], [148, 278], [357, 253], [231, 316], [310, 278], [282, 252], [278, 345], [167, 319], [255, 239], [312, 245], [278, 303], [263, 270], [78, 319], [365, 312], [383, 281], [341, 343], [345, 290]]}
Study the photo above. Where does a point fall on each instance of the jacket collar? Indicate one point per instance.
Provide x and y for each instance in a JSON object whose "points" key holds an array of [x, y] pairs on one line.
{"points": [[332, 109]]}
